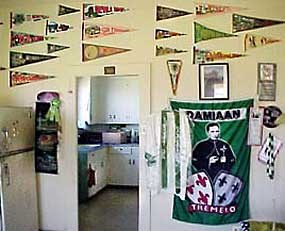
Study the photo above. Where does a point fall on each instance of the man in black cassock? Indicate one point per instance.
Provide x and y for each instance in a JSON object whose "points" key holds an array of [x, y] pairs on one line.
{"points": [[213, 154]]}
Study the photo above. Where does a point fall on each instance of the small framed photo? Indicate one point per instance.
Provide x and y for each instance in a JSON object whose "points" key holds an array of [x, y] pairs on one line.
{"points": [[266, 88], [267, 71], [214, 81]]}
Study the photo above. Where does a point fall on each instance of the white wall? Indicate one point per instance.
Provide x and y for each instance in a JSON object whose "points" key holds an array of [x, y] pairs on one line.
{"points": [[58, 193]]}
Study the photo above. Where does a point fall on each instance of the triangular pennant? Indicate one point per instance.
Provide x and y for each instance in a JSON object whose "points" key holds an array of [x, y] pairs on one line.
{"points": [[166, 13], [63, 10], [242, 23], [54, 48], [3, 68], [205, 9], [20, 78], [20, 39], [161, 34], [174, 68], [204, 33], [18, 59], [204, 55], [54, 27], [95, 11], [167, 50], [253, 41], [19, 18], [94, 30], [91, 51]]}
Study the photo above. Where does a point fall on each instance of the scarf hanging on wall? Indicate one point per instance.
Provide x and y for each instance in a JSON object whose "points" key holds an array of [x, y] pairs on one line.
{"points": [[167, 152]]}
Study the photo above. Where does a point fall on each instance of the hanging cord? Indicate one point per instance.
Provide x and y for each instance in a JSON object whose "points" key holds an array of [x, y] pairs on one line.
{"points": [[270, 159]]}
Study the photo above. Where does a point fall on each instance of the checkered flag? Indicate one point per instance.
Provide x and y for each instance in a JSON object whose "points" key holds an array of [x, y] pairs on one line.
{"points": [[271, 159], [245, 226]]}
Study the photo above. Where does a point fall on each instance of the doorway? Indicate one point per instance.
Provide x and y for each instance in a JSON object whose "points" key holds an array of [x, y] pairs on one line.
{"points": [[110, 204]]}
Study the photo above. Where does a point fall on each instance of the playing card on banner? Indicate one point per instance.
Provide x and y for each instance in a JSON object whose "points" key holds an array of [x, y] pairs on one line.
{"points": [[200, 189], [227, 187]]}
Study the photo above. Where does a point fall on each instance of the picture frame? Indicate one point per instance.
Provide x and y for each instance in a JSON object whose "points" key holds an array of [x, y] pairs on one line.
{"points": [[214, 81], [266, 84]]}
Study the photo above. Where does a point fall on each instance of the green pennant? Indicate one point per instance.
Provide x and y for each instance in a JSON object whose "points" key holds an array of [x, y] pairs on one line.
{"points": [[204, 33]]}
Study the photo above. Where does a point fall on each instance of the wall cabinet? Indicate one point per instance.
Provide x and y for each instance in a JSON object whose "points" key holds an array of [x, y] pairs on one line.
{"points": [[123, 165], [114, 99]]}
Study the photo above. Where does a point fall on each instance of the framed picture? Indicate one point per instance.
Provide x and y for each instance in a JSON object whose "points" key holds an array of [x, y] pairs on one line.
{"points": [[266, 88], [214, 81]]}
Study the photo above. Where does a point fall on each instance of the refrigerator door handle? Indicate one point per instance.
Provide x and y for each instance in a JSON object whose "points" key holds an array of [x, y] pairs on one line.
{"points": [[6, 174]]}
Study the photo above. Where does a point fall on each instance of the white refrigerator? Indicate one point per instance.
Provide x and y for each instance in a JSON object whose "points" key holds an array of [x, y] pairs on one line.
{"points": [[18, 194]]}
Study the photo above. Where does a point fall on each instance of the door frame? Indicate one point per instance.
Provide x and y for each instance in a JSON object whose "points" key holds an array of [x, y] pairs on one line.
{"points": [[144, 71]]}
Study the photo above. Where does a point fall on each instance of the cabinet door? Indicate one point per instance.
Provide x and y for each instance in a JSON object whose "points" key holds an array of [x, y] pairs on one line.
{"points": [[135, 166], [18, 193], [123, 166], [115, 99], [119, 169], [92, 174], [97, 162]]}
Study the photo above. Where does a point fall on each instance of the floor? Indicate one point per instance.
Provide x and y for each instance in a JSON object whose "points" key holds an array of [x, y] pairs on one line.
{"points": [[112, 209]]}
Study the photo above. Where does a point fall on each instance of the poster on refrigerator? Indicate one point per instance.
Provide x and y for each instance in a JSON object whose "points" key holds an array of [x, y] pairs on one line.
{"points": [[46, 137]]}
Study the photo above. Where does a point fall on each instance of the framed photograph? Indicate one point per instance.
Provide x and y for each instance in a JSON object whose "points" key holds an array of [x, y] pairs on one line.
{"points": [[214, 81], [266, 88], [267, 71]]}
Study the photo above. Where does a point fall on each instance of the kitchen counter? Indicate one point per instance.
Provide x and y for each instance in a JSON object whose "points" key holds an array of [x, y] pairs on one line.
{"points": [[95, 147]]}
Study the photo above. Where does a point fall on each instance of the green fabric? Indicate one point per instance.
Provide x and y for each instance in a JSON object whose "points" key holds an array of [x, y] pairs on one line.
{"points": [[53, 114], [233, 130], [164, 134]]}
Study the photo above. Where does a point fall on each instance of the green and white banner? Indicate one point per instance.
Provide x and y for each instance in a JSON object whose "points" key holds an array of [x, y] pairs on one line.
{"points": [[218, 186]]}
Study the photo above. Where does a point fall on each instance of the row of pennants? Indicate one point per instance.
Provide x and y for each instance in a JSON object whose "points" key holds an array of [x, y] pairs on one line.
{"points": [[92, 30]]}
